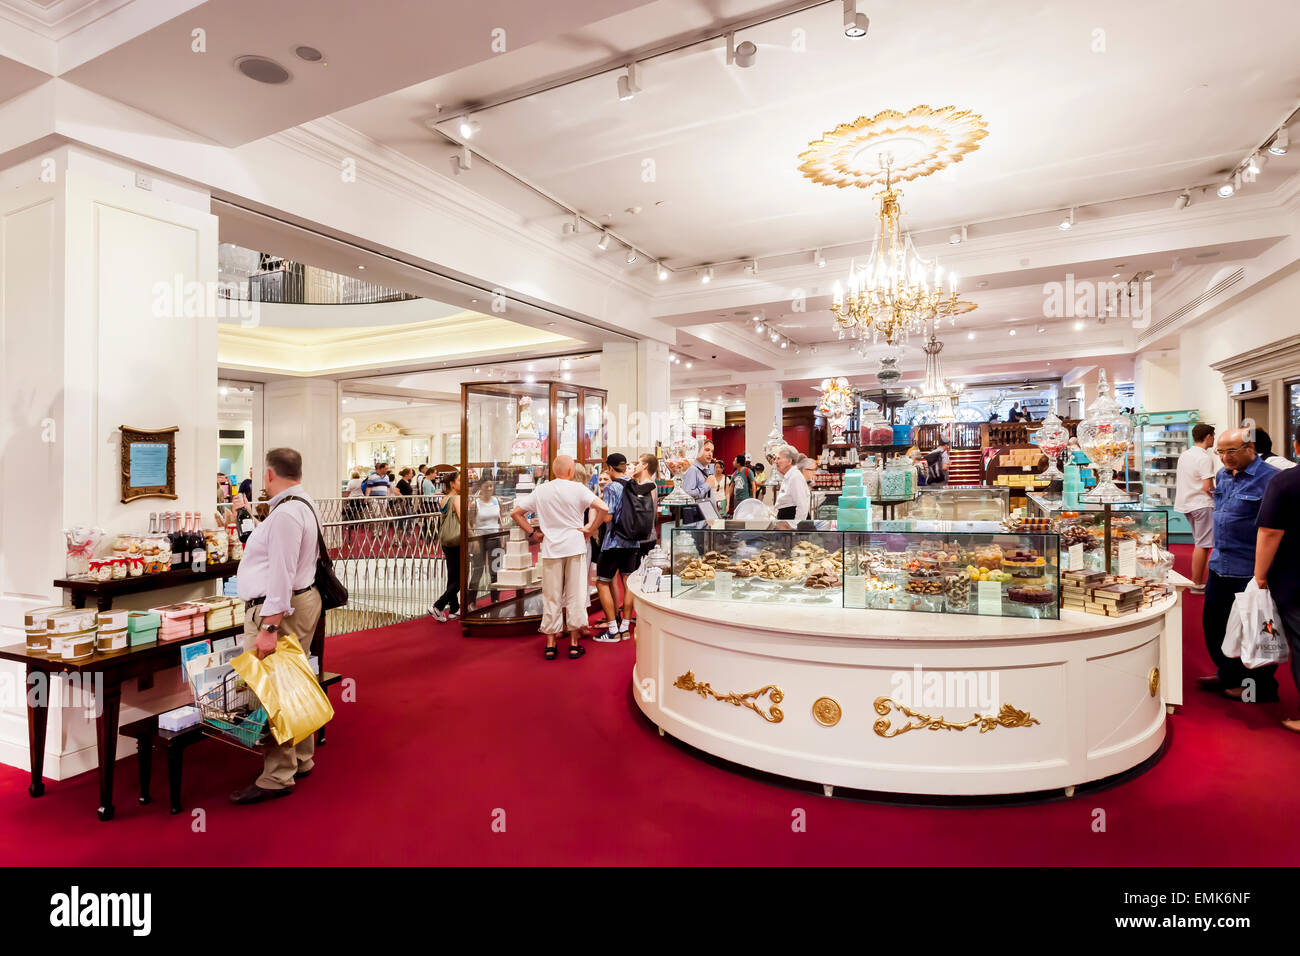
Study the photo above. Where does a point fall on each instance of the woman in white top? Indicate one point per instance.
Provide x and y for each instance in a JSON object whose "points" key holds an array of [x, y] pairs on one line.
{"points": [[718, 487], [354, 485], [485, 519]]}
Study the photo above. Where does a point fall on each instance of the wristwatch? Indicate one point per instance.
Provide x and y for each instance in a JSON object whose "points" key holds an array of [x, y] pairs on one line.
{"points": [[273, 628]]}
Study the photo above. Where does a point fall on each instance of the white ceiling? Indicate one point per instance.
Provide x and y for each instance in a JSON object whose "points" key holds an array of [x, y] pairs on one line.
{"points": [[1181, 93]]}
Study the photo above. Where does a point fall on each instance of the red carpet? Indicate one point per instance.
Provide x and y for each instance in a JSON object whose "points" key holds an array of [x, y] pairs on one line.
{"points": [[446, 731]]}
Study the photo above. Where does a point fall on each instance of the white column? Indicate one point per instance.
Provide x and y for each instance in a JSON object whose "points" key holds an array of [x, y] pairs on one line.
{"points": [[91, 343], [303, 414], [636, 375], [762, 407]]}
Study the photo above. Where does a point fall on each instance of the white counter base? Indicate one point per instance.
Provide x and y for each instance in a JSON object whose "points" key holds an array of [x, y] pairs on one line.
{"points": [[1084, 693]]}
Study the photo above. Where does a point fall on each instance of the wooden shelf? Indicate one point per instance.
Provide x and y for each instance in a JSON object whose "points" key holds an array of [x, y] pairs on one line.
{"points": [[147, 582]]}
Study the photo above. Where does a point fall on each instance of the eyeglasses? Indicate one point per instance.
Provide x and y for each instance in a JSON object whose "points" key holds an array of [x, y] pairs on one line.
{"points": [[1231, 451]]}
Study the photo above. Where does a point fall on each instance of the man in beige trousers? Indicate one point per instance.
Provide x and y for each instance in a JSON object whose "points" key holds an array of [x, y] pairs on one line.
{"points": [[276, 582], [559, 507]]}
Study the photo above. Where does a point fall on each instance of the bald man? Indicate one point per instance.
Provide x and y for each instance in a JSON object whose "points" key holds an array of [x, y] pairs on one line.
{"points": [[1238, 489], [559, 508]]}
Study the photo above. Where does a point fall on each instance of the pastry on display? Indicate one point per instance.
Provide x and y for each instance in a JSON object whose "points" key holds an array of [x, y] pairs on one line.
{"points": [[822, 580], [718, 561], [956, 590], [923, 581], [697, 570], [1030, 595], [989, 557]]}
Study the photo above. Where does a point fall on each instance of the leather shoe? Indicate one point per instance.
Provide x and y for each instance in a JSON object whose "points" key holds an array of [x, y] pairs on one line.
{"points": [[255, 794], [1236, 693], [1210, 682], [302, 774]]}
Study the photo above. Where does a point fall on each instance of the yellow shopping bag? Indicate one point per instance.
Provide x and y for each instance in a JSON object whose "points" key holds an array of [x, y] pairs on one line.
{"points": [[296, 705]]}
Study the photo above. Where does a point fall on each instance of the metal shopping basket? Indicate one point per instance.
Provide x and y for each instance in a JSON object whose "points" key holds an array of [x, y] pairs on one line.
{"points": [[232, 710]]}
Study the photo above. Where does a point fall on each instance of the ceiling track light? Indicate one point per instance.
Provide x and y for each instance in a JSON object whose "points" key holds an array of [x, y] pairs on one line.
{"points": [[706, 276], [1281, 140], [1184, 200], [1255, 163], [468, 127], [630, 258], [752, 268], [662, 272], [855, 24], [629, 84], [571, 227], [462, 161], [740, 54], [603, 244], [1068, 222], [957, 238], [1226, 189], [819, 259], [1236, 180]]}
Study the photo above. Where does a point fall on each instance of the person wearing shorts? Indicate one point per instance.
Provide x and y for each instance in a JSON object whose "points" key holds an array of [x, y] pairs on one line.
{"points": [[1192, 498], [617, 555]]}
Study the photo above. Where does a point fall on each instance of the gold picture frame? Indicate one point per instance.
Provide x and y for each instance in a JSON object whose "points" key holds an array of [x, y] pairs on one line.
{"points": [[148, 454]]}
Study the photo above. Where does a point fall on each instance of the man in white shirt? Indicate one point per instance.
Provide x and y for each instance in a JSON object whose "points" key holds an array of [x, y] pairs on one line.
{"points": [[793, 500], [277, 583], [559, 507], [1193, 498]]}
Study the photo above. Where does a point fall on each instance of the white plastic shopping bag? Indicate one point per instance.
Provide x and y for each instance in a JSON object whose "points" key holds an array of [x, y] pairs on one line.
{"points": [[1259, 628]]}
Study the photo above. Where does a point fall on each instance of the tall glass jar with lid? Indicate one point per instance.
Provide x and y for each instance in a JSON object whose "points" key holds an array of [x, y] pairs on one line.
{"points": [[1105, 436]]}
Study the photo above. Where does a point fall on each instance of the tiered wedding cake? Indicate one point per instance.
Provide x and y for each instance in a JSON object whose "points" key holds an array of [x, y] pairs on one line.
{"points": [[518, 568], [526, 449]]}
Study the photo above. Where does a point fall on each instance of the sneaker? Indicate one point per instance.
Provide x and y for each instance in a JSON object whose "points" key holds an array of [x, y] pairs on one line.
{"points": [[439, 616], [609, 636], [1197, 589], [453, 615], [624, 627]]}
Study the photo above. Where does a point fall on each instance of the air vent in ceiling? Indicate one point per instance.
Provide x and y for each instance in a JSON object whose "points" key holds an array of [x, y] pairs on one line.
{"points": [[1227, 282]]}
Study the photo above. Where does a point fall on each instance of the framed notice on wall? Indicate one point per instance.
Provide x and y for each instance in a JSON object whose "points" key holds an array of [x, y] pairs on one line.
{"points": [[148, 462]]}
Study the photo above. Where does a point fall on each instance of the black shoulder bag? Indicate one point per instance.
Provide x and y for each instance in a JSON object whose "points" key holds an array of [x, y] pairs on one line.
{"points": [[332, 592]]}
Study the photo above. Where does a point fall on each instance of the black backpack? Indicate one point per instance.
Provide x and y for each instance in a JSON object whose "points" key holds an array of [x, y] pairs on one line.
{"points": [[636, 514], [934, 465]]}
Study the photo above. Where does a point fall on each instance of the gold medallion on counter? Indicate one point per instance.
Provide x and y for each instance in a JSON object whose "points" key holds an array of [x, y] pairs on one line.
{"points": [[1153, 681], [826, 711]]}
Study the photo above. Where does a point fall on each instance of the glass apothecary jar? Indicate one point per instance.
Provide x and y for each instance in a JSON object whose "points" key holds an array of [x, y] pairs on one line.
{"points": [[1052, 439], [1105, 436]]}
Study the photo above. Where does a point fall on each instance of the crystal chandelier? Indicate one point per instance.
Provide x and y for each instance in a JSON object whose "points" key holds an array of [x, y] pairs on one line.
{"points": [[897, 292], [936, 393]]}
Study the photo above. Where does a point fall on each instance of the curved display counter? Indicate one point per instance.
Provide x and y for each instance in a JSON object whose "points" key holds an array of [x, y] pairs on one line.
{"points": [[905, 701]]}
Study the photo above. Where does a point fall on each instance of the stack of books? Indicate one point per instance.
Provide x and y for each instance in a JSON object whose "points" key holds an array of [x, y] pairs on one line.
{"points": [[1095, 593]]}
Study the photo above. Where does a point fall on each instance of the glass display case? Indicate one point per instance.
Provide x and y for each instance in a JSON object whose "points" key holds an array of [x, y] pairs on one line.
{"points": [[952, 568], [943, 567], [1162, 437], [757, 563], [984, 503], [512, 431], [1105, 528]]}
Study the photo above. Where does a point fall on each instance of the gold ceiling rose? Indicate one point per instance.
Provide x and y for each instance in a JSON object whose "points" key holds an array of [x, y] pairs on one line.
{"points": [[773, 714], [922, 141], [1008, 716]]}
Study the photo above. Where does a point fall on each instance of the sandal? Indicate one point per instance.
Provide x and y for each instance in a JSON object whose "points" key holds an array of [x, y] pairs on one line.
{"points": [[552, 651], [576, 651]]}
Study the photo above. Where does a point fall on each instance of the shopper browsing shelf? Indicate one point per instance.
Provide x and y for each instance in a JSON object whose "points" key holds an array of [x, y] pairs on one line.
{"points": [[559, 506], [277, 584], [629, 523], [794, 498], [1239, 488], [1193, 491]]}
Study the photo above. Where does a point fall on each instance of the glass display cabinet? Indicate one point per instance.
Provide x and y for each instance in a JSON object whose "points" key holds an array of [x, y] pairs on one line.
{"points": [[511, 432], [985, 503], [1162, 437], [756, 563], [944, 567], [1103, 529], [952, 568]]}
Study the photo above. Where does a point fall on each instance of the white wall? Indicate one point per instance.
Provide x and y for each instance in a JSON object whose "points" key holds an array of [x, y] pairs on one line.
{"points": [[1265, 315], [85, 353]]}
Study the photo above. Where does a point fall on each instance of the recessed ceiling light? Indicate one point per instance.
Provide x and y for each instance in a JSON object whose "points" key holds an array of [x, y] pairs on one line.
{"points": [[309, 53], [982, 284], [1207, 255], [970, 335], [1114, 275], [688, 364], [1078, 326], [361, 267], [262, 70], [1012, 331]]}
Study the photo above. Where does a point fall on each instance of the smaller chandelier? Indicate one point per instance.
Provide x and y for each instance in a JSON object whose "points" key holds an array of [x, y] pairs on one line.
{"points": [[897, 292], [937, 395]]}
